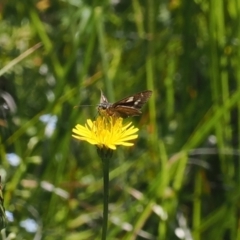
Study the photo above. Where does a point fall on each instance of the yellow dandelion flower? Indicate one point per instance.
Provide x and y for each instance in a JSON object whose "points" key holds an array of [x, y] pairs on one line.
{"points": [[106, 132]]}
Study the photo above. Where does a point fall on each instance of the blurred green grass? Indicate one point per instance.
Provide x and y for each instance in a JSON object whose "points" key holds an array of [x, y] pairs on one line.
{"points": [[181, 179]]}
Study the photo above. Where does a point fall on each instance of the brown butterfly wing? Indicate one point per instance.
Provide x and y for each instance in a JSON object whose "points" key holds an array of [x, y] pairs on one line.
{"points": [[131, 106], [123, 111], [135, 101]]}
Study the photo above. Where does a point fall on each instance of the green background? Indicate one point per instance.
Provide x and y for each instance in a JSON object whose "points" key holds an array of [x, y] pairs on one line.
{"points": [[181, 179]]}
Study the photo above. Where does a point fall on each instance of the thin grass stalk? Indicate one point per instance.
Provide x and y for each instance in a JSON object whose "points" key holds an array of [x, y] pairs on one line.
{"points": [[14, 182], [215, 76], [140, 221], [163, 183], [160, 183], [212, 218], [73, 59], [237, 69], [197, 206], [150, 66], [38, 25], [48, 46], [179, 175], [138, 16], [210, 121], [169, 85], [18, 59], [238, 230], [22, 130], [99, 21], [88, 55], [224, 82]]}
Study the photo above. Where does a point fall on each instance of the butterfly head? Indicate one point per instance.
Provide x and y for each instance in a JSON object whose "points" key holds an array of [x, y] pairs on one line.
{"points": [[104, 104]]}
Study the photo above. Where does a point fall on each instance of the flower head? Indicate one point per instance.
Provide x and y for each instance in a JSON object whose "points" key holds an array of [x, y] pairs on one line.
{"points": [[106, 132]]}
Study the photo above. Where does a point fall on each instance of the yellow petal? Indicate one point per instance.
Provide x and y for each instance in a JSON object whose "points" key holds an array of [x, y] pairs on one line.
{"points": [[106, 131]]}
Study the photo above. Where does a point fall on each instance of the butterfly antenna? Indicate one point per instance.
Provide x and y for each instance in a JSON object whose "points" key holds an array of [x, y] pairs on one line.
{"points": [[77, 106]]}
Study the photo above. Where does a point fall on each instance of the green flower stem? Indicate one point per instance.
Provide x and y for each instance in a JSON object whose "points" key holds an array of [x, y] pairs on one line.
{"points": [[105, 154], [105, 162]]}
